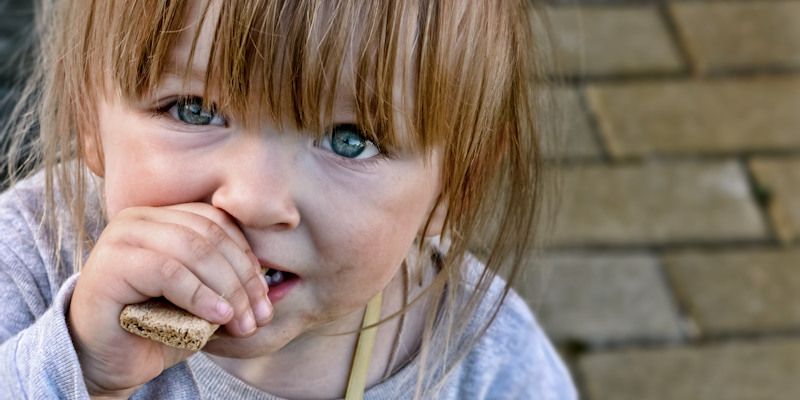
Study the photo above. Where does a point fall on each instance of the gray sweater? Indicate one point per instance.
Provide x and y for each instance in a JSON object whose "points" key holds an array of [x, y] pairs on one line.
{"points": [[512, 360]]}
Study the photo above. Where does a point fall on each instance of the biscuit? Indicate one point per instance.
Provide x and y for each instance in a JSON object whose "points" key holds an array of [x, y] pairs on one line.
{"points": [[160, 320]]}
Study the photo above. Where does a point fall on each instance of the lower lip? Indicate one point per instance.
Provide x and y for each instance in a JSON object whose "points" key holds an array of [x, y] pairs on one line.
{"points": [[277, 292]]}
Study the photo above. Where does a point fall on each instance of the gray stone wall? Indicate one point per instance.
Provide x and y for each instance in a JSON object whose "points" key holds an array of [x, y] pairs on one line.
{"points": [[673, 271]]}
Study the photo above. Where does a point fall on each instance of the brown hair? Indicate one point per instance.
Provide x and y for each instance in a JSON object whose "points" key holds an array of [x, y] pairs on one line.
{"points": [[469, 75]]}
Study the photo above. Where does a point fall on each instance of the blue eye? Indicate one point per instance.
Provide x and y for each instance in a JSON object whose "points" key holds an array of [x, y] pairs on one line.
{"points": [[346, 140], [190, 111]]}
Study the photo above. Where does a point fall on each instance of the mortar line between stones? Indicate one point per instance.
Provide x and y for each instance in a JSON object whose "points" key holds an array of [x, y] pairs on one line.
{"points": [[667, 158], [594, 125], [689, 244], [572, 359], [762, 204], [688, 325], [701, 342], [679, 42], [712, 75]]}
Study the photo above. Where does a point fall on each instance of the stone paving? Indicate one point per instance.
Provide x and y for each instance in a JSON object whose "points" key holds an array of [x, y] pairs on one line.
{"points": [[673, 270]]}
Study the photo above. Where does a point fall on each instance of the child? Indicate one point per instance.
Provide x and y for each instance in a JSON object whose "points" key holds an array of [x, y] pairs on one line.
{"points": [[356, 149]]}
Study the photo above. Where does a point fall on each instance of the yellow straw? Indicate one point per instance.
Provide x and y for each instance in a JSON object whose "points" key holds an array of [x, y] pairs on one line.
{"points": [[366, 339]]}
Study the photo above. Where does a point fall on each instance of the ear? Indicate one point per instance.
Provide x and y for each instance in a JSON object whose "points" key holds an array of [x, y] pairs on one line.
{"points": [[93, 151], [437, 218]]}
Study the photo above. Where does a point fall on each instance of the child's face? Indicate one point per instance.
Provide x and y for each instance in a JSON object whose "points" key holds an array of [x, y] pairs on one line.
{"points": [[341, 225]]}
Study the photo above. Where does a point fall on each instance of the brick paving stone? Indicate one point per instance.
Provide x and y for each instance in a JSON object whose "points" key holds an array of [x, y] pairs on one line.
{"points": [[657, 203], [611, 40], [576, 139], [742, 291], [741, 34], [724, 371], [598, 298], [706, 117], [781, 178]]}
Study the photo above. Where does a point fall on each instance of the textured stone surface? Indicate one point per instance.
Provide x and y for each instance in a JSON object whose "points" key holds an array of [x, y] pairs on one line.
{"points": [[780, 178], [576, 138], [729, 371], [741, 291], [596, 298], [611, 40], [717, 117], [740, 34], [657, 203]]}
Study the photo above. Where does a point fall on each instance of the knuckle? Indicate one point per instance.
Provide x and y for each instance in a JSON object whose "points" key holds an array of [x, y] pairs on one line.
{"points": [[200, 246], [171, 271], [254, 282], [214, 233], [197, 295], [239, 296]]}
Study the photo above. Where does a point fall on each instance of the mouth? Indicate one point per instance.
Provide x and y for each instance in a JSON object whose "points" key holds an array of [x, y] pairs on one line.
{"points": [[276, 277], [280, 282]]}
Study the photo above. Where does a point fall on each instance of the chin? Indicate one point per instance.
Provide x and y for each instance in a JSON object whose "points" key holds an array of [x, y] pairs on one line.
{"points": [[254, 346]]}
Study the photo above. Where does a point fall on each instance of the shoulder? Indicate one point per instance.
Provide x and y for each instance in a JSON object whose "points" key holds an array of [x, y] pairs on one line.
{"points": [[21, 221], [28, 242], [22, 205], [513, 358]]}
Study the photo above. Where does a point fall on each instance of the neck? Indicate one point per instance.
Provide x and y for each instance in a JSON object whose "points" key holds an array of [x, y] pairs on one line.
{"points": [[325, 360]]}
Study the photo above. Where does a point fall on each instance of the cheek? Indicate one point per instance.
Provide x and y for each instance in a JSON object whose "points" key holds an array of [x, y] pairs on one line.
{"points": [[141, 176], [374, 236]]}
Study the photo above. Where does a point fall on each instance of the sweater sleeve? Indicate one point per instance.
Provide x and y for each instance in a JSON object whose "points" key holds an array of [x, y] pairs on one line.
{"points": [[37, 356], [39, 361]]}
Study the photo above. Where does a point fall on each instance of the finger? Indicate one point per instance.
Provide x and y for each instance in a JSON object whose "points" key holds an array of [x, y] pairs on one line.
{"points": [[206, 262], [150, 274], [221, 218], [244, 263], [227, 223]]}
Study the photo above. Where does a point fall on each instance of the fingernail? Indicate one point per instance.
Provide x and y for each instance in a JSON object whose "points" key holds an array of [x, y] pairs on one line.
{"points": [[223, 309], [248, 324], [262, 312]]}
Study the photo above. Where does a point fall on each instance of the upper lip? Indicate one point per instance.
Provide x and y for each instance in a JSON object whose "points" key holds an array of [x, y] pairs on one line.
{"points": [[268, 265]]}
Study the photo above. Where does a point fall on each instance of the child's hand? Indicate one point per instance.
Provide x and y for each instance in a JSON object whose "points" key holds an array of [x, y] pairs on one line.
{"points": [[192, 254]]}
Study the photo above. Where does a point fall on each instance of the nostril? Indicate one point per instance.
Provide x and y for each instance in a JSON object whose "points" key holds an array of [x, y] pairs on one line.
{"points": [[274, 209]]}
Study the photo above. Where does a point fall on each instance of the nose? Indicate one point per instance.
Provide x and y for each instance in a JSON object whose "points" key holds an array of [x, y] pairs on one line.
{"points": [[256, 184]]}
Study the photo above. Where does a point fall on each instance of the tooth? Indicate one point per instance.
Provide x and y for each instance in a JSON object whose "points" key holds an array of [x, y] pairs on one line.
{"points": [[278, 277]]}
